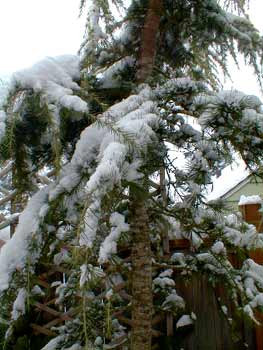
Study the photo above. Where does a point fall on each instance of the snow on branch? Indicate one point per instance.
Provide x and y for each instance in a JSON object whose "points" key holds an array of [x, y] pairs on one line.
{"points": [[234, 119], [109, 246], [16, 252], [54, 78]]}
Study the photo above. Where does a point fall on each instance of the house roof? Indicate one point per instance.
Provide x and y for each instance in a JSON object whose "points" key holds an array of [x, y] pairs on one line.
{"points": [[236, 187]]}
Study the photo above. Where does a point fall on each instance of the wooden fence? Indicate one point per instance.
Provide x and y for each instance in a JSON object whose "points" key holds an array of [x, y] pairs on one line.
{"points": [[212, 331]]}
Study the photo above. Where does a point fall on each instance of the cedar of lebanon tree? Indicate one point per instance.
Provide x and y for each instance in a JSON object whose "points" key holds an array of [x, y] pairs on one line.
{"points": [[89, 139]]}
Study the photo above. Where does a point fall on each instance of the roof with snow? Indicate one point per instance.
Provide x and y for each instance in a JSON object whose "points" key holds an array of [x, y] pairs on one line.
{"points": [[249, 187], [229, 192]]}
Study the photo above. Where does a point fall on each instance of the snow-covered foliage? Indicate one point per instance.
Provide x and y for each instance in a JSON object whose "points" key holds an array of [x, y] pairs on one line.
{"points": [[164, 286], [55, 343], [54, 78], [253, 281], [19, 307], [107, 142], [225, 116], [109, 246], [25, 246]]}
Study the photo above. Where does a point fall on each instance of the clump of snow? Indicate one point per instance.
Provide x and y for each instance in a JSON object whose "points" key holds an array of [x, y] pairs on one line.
{"points": [[245, 200], [163, 282], [54, 78], [224, 309], [218, 248], [83, 275], [178, 258], [173, 301], [36, 290], [183, 321], [19, 306], [109, 246], [55, 343], [98, 341], [88, 272], [109, 78], [166, 273]]}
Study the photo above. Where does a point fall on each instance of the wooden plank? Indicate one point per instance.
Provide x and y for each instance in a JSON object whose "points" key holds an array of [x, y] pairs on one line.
{"points": [[169, 324], [252, 215], [51, 302], [251, 212], [211, 331], [53, 322], [157, 319], [259, 330], [53, 312], [179, 244], [58, 320], [42, 330], [43, 283], [257, 255]]}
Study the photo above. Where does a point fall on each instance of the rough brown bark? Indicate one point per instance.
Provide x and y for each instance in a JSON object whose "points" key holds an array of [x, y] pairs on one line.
{"points": [[142, 298], [142, 303], [149, 40]]}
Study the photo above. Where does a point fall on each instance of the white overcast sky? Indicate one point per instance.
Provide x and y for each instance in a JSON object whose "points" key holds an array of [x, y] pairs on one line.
{"points": [[33, 29]]}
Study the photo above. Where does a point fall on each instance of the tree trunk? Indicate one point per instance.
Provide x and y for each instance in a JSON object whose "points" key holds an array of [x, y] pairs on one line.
{"points": [[142, 298], [148, 40], [142, 303]]}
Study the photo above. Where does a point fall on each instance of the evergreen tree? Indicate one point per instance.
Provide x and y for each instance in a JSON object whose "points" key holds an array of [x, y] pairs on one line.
{"points": [[106, 130]]}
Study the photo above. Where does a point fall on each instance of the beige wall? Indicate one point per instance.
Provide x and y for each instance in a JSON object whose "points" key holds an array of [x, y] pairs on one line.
{"points": [[249, 189]]}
